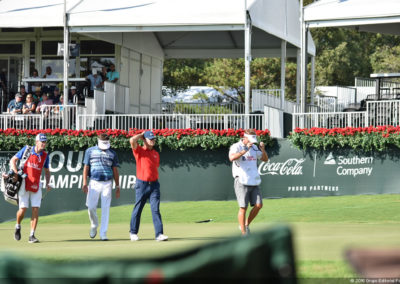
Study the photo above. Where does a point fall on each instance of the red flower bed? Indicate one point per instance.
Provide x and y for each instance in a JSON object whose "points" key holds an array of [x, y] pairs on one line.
{"points": [[13, 139], [362, 138]]}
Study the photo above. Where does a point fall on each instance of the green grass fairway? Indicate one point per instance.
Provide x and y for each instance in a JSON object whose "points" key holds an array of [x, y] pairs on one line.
{"points": [[323, 228]]}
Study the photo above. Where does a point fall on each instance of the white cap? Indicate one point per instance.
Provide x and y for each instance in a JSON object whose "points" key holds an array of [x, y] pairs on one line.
{"points": [[73, 88], [251, 138]]}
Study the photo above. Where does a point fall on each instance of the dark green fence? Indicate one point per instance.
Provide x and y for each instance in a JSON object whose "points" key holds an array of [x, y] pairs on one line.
{"points": [[196, 174]]}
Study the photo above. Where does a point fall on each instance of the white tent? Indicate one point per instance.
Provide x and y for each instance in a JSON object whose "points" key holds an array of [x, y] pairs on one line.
{"points": [[182, 28], [381, 16]]}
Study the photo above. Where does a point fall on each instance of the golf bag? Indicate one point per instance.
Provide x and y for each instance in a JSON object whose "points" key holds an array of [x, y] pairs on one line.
{"points": [[11, 182]]}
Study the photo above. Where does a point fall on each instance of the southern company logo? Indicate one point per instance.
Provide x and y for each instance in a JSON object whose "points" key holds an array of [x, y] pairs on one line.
{"points": [[330, 160]]}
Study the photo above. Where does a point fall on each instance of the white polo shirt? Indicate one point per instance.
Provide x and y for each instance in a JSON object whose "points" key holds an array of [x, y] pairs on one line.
{"points": [[245, 168]]}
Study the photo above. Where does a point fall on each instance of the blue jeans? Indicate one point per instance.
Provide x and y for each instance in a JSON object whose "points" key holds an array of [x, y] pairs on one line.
{"points": [[147, 190]]}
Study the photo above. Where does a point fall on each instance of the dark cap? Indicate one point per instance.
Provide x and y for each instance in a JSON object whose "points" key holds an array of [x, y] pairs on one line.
{"points": [[22, 86], [149, 135]]}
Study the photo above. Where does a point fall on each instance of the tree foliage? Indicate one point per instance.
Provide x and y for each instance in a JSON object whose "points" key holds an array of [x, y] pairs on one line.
{"points": [[342, 54]]}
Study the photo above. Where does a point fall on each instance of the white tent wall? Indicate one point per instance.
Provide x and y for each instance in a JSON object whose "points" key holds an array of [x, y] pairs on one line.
{"points": [[139, 51]]}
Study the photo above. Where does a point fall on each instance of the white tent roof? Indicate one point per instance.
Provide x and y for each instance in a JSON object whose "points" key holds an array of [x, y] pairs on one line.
{"points": [[381, 16], [185, 26]]}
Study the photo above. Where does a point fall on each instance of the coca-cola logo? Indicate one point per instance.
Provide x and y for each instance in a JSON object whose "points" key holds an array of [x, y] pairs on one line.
{"points": [[292, 167]]}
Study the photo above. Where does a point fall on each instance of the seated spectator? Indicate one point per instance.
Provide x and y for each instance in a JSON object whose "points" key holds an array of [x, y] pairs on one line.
{"points": [[37, 95], [42, 107], [56, 96], [75, 97], [32, 86], [29, 106], [60, 105], [112, 75], [50, 86], [15, 105]]}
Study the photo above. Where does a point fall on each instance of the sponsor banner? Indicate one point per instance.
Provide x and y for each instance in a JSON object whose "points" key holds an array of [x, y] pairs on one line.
{"points": [[196, 174]]}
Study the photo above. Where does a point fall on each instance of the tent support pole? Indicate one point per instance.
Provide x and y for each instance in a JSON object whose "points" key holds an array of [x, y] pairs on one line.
{"points": [[247, 60], [303, 99], [283, 73], [66, 62], [312, 85]]}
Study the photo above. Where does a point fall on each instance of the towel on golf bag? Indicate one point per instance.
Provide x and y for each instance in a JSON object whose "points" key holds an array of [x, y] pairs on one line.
{"points": [[10, 186]]}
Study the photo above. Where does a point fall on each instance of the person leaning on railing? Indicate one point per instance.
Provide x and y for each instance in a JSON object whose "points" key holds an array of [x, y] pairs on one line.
{"points": [[60, 106], [15, 106], [42, 107], [29, 106]]}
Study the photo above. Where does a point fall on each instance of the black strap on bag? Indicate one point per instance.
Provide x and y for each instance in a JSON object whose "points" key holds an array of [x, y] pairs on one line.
{"points": [[13, 182]]}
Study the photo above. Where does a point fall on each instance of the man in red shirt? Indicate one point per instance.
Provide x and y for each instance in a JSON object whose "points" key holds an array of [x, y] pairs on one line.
{"points": [[31, 188], [147, 185]]}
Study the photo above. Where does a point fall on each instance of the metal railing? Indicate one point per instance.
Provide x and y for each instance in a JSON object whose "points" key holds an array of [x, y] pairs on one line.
{"points": [[50, 116], [329, 119], [377, 113], [201, 108], [176, 121], [383, 113]]}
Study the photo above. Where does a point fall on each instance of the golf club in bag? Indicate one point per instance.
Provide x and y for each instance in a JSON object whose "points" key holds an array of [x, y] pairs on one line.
{"points": [[11, 182]]}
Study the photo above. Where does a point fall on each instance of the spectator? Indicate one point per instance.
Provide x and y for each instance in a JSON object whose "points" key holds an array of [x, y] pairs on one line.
{"points": [[56, 96], [59, 106], [15, 105], [32, 86], [50, 86], [112, 75], [75, 97], [29, 106], [37, 95], [103, 74], [42, 107], [95, 81], [22, 91]]}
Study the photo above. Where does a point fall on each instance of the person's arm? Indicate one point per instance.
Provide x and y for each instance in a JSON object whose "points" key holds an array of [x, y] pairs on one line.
{"points": [[264, 156], [47, 176], [134, 140], [13, 164], [85, 178], [116, 179], [234, 156]]}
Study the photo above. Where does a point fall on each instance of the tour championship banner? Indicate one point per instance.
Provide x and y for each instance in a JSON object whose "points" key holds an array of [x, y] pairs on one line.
{"points": [[196, 174]]}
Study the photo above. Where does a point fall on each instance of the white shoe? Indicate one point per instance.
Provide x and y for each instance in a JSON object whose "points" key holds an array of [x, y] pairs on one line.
{"points": [[93, 232], [247, 229], [161, 238], [134, 237]]}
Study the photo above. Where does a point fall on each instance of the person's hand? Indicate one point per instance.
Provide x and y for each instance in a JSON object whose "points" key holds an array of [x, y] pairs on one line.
{"points": [[85, 189], [262, 146], [249, 144], [118, 192]]}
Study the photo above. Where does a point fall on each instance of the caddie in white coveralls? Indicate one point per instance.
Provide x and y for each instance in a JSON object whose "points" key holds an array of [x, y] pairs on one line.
{"points": [[101, 164], [244, 155]]}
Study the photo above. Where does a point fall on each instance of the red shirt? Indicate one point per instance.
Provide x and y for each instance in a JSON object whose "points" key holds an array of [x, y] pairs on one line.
{"points": [[147, 163], [33, 168]]}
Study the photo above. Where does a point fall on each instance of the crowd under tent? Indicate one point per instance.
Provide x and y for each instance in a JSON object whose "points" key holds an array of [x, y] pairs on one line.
{"points": [[139, 35]]}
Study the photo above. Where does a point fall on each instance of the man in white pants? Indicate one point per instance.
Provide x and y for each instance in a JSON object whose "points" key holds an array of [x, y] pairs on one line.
{"points": [[101, 164]]}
